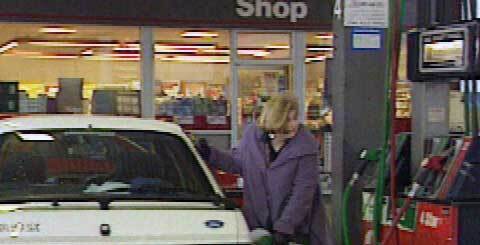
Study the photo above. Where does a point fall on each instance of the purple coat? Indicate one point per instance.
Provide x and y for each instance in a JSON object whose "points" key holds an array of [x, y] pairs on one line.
{"points": [[289, 189]]}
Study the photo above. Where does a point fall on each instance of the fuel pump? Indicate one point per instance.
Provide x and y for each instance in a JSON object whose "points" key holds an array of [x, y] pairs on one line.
{"points": [[446, 185]]}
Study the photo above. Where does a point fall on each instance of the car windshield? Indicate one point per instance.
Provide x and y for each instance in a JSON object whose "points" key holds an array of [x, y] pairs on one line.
{"points": [[107, 163]]}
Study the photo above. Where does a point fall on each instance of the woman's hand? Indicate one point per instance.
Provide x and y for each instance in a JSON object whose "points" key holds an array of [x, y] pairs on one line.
{"points": [[203, 148]]}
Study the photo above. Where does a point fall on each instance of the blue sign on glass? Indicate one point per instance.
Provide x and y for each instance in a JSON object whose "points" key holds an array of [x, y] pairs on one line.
{"points": [[367, 39]]}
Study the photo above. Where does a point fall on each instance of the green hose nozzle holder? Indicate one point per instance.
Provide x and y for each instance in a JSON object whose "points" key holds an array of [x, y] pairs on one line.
{"points": [[370, 155]]}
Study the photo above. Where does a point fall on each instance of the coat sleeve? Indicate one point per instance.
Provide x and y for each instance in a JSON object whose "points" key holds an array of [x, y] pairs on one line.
{"points": [[231, 161], [300, 202]]}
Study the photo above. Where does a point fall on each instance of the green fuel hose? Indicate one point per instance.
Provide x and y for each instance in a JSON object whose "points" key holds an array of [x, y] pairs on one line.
{"points": [[367, 157], [396, 11], [345, 226]]}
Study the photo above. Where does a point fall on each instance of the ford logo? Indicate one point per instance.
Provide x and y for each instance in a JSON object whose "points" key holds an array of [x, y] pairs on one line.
{"points": [[214, 224]]}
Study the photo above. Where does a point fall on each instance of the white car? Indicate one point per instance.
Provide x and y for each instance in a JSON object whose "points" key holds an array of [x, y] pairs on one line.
{"points": [[67, 179]]}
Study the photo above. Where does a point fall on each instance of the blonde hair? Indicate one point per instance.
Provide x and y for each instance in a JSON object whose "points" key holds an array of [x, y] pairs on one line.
{"points": [[274, 116]]}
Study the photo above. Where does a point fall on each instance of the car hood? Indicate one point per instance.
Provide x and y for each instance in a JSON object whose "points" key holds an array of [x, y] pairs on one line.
{"points": [[134, 225]]}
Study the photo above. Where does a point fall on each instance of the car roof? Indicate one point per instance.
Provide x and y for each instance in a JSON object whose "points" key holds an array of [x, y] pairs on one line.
{"points": [[39, 122]]}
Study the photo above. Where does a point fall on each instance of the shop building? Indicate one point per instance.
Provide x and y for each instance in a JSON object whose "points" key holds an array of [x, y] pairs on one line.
{"points": [[207, 65]]}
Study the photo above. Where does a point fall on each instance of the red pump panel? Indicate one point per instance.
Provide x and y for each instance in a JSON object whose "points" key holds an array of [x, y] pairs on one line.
{"points": [[436, 224]]}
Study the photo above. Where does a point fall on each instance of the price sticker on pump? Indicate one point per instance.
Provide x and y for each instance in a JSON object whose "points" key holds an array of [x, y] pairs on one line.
{"points": [[184, 120], [366, 13]]}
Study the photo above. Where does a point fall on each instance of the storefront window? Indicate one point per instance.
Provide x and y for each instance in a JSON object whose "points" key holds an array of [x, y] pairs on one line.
{"points": [[319, 49], [69, 69], [192, 78], [319, 113], [403, 103], [264, 46]]}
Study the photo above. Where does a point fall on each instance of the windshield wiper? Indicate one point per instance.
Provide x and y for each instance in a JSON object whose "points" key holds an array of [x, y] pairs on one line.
{"points": [[104, 201], [116, 192], [55, 200]]}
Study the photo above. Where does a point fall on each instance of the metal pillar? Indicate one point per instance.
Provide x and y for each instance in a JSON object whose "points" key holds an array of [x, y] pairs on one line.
{"points": [[148, 72], [234, 87], [357, 89], [299, 71]]}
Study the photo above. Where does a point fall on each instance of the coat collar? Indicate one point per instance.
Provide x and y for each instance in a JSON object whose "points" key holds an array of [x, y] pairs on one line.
{"points": [[302, 144]]}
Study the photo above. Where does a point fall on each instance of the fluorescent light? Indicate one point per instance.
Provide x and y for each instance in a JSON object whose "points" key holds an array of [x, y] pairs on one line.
{"points": [[183, 46], [70, 44], [254, 52], [324, 36], [316, 58], [8, 46], [170, 51], [87, 52], [277, 47], [261, 54], [197, 59], [196, 34], [57, 30], [216, 51], [168, 48], [127, 49], [25, 53], [54, 57], [35, 137], [122, 55], [103, 58], [320, 49], [53, 90]]}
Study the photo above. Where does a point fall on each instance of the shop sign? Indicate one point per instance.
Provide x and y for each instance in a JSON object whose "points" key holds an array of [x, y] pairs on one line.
{"points": [[265, 14], [279, 10]]}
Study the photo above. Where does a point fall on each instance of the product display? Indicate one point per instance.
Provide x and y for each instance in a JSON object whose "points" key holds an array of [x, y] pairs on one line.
{"points": [[199, 105], [32, 105], [9, 97], [69, 99], [51, 105], [128, 103], [104, 102], [404, 98]]}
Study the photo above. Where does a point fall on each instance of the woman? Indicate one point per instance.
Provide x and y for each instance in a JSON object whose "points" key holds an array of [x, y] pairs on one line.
{"points": [[278, 160]]}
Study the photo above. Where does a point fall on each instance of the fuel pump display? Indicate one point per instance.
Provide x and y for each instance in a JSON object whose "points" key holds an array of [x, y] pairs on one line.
{"points": [[443, 52]]}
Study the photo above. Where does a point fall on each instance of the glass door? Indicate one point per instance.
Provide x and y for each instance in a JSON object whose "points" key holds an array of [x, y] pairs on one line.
{"points": [[263, 64], [256, 85]]}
